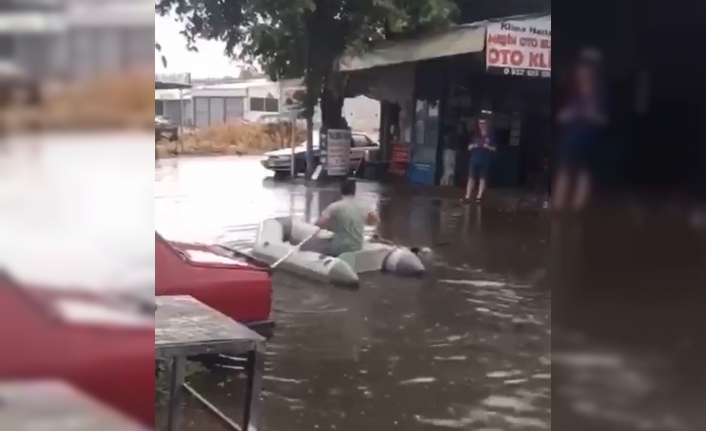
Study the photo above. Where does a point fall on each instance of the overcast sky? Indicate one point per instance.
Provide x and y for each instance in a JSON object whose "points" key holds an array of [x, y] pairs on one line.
{"points": [[207, 63]]}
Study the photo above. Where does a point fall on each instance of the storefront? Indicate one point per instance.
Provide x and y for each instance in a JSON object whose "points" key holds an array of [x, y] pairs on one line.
{"points": [[500, 69]]}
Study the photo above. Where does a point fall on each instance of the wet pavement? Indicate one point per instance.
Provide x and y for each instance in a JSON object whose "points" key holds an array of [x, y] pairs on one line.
{"points": [[467, 348]]}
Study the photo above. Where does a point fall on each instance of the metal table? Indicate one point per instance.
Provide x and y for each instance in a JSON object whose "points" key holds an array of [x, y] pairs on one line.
{"points": [[185, 327], [56, 406]]}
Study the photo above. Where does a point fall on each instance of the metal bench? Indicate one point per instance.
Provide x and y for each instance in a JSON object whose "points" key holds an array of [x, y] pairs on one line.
{"points": [[56, 406], [184, 327]]}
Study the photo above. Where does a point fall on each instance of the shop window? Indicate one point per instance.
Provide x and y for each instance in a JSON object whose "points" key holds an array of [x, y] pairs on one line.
{"points": [[264, 104]]}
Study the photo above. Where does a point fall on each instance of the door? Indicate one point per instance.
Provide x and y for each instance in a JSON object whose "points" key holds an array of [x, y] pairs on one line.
{"points": [[234, 108], [201, 111], [217, 110], [424, 148]]}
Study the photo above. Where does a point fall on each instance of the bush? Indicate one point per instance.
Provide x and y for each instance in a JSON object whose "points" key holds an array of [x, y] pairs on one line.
{"points": [[232, 138]]}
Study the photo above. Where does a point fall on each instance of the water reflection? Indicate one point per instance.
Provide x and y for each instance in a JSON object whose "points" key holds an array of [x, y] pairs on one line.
{"points": [[81, 211]]}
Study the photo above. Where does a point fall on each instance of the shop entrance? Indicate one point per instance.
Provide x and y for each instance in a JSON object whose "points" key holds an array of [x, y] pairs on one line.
{"points": [[519, 109]]}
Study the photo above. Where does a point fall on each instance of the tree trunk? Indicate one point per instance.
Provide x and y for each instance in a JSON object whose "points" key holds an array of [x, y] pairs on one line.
{"points": [[309, 146], [312, 83], [332, 110]]}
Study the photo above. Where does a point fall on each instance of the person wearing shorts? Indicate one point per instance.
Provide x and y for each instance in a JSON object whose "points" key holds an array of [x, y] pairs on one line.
{"points": [[481, 148], [582, 120]]}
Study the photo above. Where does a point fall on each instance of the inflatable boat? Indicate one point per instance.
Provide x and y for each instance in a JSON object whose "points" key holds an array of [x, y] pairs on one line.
{"points": [[277, 237]]}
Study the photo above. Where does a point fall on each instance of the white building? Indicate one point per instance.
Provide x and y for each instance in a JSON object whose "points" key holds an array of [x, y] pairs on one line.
{"points": [[219, 103], [75, 38], [249, 100]]}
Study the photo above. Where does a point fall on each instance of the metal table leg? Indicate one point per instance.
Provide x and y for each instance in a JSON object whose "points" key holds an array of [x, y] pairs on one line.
{"points": [[176, 381], [253, 390]]}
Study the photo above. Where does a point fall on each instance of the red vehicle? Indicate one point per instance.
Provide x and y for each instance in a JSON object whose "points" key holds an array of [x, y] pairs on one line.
{"points": [[112, 362], [233, 285]]}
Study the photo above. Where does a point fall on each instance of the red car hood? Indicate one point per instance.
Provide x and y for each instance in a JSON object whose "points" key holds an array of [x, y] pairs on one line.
{"points": [[111, 362], [232, 285]]}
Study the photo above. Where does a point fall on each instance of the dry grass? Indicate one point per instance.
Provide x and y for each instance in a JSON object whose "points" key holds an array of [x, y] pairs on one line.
{"points": [[231, 138], [123, 100], [126, 101]]}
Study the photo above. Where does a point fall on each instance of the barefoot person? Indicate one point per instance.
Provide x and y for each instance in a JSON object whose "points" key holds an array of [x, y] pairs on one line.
{"points": [[581, 119], [481, 148], [346, 218]]}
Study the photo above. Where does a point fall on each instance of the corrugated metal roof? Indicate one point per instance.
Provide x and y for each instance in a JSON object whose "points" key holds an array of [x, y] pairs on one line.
{"points": [[237, 85], [457, 40]]}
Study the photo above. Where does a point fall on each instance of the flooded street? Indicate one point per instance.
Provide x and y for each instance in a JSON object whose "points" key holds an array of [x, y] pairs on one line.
{"points": [[468, 348]]}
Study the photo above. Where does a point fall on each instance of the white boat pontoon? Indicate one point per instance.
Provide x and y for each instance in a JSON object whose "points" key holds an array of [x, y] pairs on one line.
{"points": [[278, 236]]}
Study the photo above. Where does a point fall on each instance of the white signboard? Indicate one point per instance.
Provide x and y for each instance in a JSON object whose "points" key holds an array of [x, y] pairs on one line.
{"points": [[520, 47], [338, 152]]}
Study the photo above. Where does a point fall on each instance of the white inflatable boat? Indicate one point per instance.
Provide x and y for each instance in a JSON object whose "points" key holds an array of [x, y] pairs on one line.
{"points": [[277, 236]]}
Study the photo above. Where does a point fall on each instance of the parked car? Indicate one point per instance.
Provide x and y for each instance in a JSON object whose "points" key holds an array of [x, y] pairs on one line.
{"points": [[105, 350], [233, 285], [164, 129], [279, 161]]}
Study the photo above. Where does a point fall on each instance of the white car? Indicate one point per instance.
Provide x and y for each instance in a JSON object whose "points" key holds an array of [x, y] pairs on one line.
{"points": [[279, 161]]}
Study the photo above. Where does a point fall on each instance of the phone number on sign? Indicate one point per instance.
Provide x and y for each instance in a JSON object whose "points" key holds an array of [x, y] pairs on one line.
{"points": [[522, 72]]}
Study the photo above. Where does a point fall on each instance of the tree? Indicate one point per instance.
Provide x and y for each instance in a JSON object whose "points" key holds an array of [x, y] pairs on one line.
{"points": [[248, 72], [295, 38], [478, 10], [158, 48]]}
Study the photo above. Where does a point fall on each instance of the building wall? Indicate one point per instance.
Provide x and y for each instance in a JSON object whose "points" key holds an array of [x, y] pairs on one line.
{"points": [[220, 103], [214, 110], [85, 52], [97, 37], [179, 112], [267, 91]]}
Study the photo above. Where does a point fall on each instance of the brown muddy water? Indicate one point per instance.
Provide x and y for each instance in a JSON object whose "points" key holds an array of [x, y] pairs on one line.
{"points": [[467, 348], [482, 344]]}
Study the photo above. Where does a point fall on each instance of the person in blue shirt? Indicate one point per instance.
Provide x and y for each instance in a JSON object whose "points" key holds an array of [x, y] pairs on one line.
{"points": [[482, 147], [581, 120]]}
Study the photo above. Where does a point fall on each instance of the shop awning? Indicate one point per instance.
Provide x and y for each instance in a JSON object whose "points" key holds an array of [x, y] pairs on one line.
{"points": [[457, 40]]}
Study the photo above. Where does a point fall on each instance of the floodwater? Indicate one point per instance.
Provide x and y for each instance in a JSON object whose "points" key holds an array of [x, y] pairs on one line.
{"points": [[468, 348], [476, 346]]}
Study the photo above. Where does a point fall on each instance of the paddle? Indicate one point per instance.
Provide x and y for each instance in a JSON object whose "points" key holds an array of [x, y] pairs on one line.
{"points": [[294, 249]]}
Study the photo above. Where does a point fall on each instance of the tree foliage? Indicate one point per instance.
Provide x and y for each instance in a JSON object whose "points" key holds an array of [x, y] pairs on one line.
{"points": [[158, 48], [295, 38], [478, 10]]}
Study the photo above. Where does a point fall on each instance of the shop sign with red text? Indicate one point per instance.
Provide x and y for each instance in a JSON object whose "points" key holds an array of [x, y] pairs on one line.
{"points": [[520, 47], [400, 158]]}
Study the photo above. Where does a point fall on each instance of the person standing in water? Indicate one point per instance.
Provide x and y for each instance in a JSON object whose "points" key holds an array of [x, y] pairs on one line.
{"points": [[347, 219], [481, 150], [581, 119]]}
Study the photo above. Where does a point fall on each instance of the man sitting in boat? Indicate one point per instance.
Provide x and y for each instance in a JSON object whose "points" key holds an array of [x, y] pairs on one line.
{"points": [[346, 218]]}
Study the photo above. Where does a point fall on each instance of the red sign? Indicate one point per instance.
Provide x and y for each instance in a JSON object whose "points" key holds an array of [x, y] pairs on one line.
{"points": [[399, 158], [521, 47]]}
